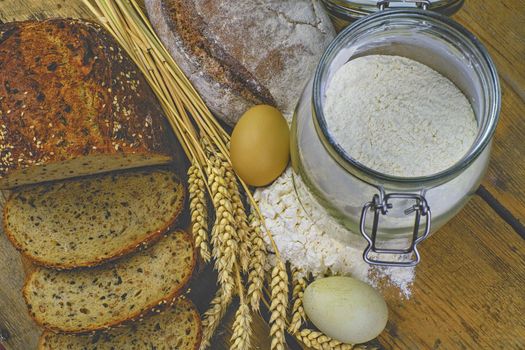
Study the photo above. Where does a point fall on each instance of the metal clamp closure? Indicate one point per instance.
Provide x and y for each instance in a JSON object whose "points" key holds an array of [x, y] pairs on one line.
{"points": [[380, 205], [423, 4]]}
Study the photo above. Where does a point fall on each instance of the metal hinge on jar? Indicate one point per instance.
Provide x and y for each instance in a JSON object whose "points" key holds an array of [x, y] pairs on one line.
{"points": [[424, 4], [380, 205]]}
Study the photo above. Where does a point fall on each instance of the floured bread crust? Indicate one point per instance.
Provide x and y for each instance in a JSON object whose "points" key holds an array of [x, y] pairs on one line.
{"points": [[242, 53]]}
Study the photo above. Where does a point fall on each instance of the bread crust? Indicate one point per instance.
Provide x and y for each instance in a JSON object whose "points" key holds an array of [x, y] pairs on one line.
{"points": [[229, 72], [155, 306], [69, 91], [131, 247]]}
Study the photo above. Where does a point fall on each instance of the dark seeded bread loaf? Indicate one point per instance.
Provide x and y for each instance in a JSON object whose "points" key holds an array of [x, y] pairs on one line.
{"points": [[87, 221], [72, 103], [86, 300], [239, 53], [177, 328]]}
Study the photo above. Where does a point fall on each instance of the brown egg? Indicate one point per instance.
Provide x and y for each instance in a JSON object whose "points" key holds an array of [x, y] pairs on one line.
{"points": [[260, 145]]}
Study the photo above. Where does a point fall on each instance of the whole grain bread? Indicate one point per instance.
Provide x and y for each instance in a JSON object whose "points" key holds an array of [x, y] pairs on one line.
{"points": [[239, 53], [177, 328], [88, 221], [80, 301], [72, 103]]}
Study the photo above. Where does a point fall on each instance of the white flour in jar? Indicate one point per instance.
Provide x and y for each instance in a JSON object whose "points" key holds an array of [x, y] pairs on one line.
{"points": [[398, 116], [309, 240]]}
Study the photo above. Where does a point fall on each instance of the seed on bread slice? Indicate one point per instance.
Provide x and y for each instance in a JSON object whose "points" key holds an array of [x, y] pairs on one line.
{"points": [[178, 327], [84, 300], [87, 221]]}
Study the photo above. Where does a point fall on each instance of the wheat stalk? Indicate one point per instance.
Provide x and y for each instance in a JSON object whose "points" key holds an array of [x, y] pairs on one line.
{"points": [[198, 211], [298, 315], [256, 266], [278, 305]]}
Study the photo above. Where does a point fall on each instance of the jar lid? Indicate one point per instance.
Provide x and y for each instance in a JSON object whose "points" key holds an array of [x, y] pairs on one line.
{"points": [[354, 9]]}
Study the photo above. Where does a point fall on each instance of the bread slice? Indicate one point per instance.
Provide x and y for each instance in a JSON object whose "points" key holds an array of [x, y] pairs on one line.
{"points": [[73, 103], [86, 300], [85, 222], [178, 327]]}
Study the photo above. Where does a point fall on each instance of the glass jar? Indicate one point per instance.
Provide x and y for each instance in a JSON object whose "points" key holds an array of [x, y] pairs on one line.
{"points": [[382, 207]]}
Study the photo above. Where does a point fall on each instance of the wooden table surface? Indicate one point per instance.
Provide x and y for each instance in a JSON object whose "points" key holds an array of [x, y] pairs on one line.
{"points": [[469, 291]]}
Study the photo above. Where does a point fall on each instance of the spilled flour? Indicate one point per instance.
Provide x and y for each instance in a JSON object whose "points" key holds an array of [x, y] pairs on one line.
{"points": [[311, 241]]}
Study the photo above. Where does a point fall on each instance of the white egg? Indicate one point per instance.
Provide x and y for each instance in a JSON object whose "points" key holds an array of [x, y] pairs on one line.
{"points": [[345, 309]]}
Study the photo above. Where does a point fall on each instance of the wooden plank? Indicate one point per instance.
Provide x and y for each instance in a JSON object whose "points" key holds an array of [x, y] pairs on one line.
{"points": [[468, 292], [500, 25], [506, 174]]}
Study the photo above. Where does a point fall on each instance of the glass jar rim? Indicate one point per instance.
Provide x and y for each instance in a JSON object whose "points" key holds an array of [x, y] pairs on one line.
{"points": [[344, 159], [355, 9]]}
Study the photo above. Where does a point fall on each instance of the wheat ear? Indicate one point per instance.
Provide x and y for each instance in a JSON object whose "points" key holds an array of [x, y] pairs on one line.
{"points": [[199, 211], [239, 213], [241, 339], [223, 235], [318, 341], [298, 315], [213, 316], [278, 305], [241, 336], [256, 273]]}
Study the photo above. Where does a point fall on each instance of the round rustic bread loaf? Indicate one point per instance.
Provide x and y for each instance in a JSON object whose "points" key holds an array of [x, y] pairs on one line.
{"points": [[73, 103], [239, 53]]}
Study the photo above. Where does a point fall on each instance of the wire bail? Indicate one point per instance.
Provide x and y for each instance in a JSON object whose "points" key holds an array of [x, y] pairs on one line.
{"points": [[380, 205]]}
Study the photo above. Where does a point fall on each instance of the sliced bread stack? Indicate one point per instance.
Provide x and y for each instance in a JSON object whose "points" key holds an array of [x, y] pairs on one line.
{"points": [[122, 224], [74, 104]]}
